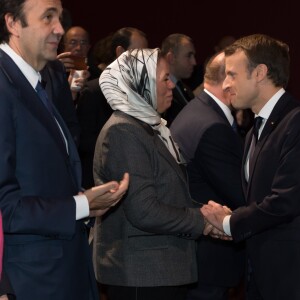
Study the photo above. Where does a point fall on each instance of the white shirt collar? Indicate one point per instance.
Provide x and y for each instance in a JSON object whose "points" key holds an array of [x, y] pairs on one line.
{"points": [[32, 75], [269, 106], [226, 110]]}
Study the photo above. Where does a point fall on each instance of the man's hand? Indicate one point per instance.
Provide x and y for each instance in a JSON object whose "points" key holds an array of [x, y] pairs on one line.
{"points": [[104, 196], [215, 213], [67, 60], [214, 232]]}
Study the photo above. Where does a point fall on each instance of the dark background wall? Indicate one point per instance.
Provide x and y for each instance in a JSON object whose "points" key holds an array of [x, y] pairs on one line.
{"points": [[205, 21]]}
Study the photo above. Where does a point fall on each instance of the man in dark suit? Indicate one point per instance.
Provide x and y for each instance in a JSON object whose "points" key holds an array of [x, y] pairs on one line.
{"points": [[93, 110], [213, 150], [257, 71], [179, 50], [47, 255]]}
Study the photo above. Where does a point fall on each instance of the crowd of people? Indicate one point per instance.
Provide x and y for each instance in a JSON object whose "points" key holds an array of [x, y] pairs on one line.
{"points": [[138, 172]]}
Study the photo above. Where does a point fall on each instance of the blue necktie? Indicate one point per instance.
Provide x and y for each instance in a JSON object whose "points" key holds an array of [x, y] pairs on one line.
{"points": [[46, 101], [234, 126], [43, 96]]}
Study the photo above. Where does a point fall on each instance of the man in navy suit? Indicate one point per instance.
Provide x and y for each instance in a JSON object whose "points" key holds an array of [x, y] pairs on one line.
{"points": [[257, 72], [46, 251], [213, 150]]}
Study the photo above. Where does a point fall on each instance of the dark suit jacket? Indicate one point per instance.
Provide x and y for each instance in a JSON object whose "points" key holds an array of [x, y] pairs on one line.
{"points": [[271, 221], [178, 103], [93, 111], [58, 91], [47, 255], [147, 239], [214, 154]]}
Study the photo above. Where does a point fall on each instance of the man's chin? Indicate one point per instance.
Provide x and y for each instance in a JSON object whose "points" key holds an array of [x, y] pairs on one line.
{"points": [[51, 55]]}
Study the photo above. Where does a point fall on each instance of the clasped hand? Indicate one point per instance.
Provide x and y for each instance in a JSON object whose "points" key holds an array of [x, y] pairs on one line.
{"points": [[214, 215], [101, 198]]}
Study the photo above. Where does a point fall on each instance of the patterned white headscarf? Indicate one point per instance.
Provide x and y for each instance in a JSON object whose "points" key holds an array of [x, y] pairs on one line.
{"points": [[129, 85]]}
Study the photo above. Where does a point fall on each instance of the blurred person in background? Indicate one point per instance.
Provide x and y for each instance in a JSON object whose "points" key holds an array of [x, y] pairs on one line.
{"points": [[180, 52]]}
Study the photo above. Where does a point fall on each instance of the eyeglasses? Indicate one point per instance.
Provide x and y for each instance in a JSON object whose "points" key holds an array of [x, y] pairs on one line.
{"points": [[75, 43]]}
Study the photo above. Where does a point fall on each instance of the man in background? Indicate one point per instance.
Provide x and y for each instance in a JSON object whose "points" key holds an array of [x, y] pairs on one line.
{"points": [[179, 50]]}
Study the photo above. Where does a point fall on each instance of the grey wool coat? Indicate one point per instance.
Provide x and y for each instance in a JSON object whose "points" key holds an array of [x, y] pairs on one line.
{"points": [[148, 238]]}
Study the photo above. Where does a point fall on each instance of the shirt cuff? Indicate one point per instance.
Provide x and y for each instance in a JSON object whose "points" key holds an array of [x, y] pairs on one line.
{"points": [[226, 225], [82, 207]]}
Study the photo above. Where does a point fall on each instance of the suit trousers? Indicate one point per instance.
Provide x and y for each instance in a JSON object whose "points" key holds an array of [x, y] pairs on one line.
{"points": [[146, 293]]}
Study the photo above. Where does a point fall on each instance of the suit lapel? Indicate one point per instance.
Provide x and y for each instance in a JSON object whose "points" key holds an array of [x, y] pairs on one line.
{"points": [[51, 77], [205, 98], [178, 98], [159, 145], [72, 158], [282, 107], [162, 149]]}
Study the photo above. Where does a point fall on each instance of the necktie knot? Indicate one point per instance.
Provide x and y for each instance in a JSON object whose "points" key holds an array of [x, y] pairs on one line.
{"points": [[256, 126]]}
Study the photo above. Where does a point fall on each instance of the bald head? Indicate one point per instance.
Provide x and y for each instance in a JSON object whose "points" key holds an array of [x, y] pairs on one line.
{"points": [[214, 76], [77, 41], [215, 70]]}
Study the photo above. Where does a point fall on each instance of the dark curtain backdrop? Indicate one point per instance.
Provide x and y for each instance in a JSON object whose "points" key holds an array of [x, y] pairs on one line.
{"points": [[205, 21]]}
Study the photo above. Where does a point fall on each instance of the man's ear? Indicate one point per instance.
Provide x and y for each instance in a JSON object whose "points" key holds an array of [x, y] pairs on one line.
{"points": [[12, 25], [170, 57], [261, 72], [119, 50]]}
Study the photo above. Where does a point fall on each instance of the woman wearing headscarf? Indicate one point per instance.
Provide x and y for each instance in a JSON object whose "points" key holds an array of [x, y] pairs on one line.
{"points": [[144, 247]]}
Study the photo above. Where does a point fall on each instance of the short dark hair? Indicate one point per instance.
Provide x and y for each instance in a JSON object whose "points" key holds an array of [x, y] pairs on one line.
{"points": [[263, 49], [173, 42], [122, 38], [16, 9]]}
